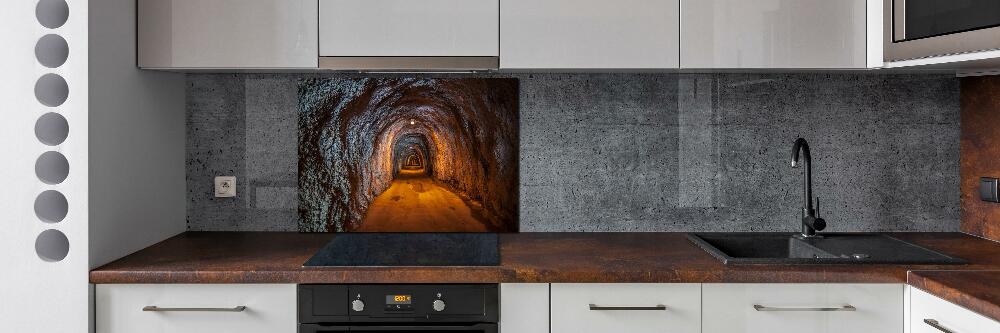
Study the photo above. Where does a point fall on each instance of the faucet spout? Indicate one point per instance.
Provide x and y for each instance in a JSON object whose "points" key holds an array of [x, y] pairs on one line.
{"points": [[810, 222]]}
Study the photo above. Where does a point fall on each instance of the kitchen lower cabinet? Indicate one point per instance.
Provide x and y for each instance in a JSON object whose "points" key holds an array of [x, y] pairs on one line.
{"points": [[196, 308], [524, 308], [625, 307], [930, 314], [815, 308]]}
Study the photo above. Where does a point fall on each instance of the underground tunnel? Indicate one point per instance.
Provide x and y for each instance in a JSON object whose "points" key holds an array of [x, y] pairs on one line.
{"points": [[408, 155]]}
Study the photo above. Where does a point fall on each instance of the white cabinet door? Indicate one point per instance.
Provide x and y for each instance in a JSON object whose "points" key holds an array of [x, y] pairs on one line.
{"points": [[269, 308], [927, 310], [625, 307], [408, 28], [777, 308], [773, 34], [524, 308], [227, 33], [589, 34]]}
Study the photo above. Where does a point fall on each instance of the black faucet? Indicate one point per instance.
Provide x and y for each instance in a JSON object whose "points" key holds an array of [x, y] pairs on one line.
{"points": [[810, 221]]}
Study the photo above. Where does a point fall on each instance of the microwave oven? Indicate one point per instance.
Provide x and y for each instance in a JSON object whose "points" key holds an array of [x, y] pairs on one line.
{"points": [[915, 29]]}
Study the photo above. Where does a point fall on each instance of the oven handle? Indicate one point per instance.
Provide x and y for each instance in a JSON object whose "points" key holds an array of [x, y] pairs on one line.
{"points": [[311, 328], [491, 328]]}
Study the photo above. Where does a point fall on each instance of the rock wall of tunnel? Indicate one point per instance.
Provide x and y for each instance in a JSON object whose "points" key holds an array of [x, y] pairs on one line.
{"points": [[353, 133]]}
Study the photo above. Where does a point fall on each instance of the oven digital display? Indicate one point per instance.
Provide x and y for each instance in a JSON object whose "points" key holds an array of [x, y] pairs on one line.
{"points": [[398, 299]]}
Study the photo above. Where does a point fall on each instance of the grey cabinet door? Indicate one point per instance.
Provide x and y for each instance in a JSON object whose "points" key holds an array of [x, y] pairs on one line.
{"points": [[228, 34], [774, 34]]}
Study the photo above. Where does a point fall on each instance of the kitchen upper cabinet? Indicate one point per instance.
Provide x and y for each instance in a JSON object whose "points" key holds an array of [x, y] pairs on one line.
{"points": [[407, 28], [930, 314], [589, 34], [817, 308], [776, 34], [196, 308], [227, 33], [626, 307]]}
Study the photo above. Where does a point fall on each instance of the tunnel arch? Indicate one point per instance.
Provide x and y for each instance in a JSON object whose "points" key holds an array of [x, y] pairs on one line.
{"points": [[412, 144], [464, 129]]}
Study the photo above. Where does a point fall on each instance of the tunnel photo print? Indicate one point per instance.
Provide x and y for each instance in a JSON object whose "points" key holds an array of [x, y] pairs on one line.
{"points": [[408, 155]]}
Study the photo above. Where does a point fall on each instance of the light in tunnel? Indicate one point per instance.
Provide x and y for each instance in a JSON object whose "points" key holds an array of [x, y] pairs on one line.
{"points": [[412, 122]]}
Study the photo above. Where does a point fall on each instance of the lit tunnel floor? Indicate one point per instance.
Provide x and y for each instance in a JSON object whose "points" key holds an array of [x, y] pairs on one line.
{"points": [[414, 202]]}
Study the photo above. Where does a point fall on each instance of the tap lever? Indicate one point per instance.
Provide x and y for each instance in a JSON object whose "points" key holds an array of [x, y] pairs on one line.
{"points": [[817, 206]]}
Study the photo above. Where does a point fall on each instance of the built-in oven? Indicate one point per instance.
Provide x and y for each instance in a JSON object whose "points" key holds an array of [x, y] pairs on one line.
{"points": [[386, 308], [928, 28]]}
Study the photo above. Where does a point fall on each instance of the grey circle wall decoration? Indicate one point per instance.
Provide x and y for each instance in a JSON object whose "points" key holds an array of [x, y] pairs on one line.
{"points": [[52, 245], [52, 13], [51, 129], [51, 90], [51, 50], [51, 206], [52, 167]]}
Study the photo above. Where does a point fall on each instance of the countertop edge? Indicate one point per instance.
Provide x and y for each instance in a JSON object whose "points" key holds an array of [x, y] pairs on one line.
{"points": [[929, 281]]}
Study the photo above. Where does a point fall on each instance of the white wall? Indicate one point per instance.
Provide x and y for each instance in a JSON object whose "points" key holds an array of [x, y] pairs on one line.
{"points": [[38, 295], [126, 135], [137, 187]]}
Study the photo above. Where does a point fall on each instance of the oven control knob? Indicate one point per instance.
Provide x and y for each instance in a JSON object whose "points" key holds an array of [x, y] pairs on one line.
{"points": [[438, 305], [358, 305]]}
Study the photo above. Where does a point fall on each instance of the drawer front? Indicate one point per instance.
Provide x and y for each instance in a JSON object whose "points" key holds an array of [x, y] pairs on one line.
{"points": [[946, 315], [269, 308], [657, 308], [773, 308]]}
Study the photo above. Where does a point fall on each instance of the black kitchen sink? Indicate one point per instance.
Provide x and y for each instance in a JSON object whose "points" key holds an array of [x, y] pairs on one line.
{"points": [[839, 248]]}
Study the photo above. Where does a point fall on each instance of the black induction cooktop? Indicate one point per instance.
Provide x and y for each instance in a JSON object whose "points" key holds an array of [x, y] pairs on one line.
{"points": [[409, 249]]}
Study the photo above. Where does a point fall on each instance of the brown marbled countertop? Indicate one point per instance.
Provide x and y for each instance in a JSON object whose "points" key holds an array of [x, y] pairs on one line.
{"points": [[978, 291], [270, 257], [274, 257]]}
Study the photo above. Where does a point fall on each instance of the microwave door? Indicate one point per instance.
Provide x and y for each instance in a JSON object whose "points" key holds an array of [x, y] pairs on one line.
{"points": [[916, 19], [916, 29]]}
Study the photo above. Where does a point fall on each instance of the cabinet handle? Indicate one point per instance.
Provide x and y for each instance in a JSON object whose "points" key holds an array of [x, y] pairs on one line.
{"points": [[935, 324], [848, 307], [658, 307], [154, 308]]}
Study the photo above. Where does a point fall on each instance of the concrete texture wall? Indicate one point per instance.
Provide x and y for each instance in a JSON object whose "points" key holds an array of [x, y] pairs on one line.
{"points": [[639, 152]]}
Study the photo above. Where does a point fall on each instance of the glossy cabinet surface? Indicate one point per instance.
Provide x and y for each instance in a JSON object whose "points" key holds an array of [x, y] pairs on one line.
{"points": [[269, 308], [524, 308], [927, 309], [626, 307], [227, 33], [589, 34], [730, 308], [406, 28], [773, 34]]}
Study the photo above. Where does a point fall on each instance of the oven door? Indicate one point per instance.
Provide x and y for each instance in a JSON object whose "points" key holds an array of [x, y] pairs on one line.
{"points": [[927, 28], [474, 328]]}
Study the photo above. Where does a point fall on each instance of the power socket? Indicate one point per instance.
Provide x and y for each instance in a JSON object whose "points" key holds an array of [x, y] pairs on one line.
{"points": [[988, 189], [225, 187]]}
